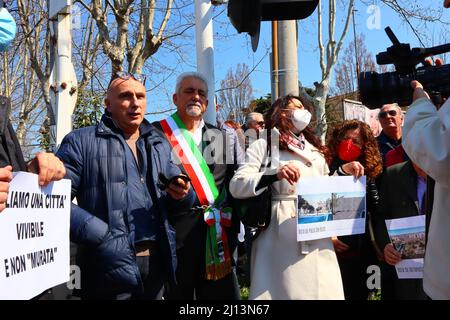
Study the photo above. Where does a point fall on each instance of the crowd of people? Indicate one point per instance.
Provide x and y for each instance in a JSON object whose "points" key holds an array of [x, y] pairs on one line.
{"points": [[154, 217]]}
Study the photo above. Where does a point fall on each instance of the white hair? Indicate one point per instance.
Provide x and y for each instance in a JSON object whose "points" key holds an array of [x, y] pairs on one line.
{"points": [[395, 105], [252, 116], [186, 75]]}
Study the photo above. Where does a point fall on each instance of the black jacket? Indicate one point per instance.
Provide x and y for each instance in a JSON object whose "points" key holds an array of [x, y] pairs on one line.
{"points": [[10, 152], [189, 224]]}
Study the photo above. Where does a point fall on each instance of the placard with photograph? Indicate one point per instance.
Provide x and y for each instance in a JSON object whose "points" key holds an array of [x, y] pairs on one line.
{"points": [[408, 237], [330, 206]]}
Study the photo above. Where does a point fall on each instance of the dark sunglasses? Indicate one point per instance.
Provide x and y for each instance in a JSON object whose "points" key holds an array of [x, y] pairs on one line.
{"points": [[384, 114], [126, 76], [260, 123]]}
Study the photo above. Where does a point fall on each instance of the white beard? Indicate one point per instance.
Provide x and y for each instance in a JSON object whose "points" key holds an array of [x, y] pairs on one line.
{"points": [[193, 111]]}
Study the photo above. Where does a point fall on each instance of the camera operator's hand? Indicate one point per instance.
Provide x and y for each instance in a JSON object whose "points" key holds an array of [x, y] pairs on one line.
{"points": [[419, 92], [437, 62]]}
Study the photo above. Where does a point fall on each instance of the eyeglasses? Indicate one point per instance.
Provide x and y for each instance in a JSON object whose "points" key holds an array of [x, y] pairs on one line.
{"points": [[126, 76], [383, 114], [260, 123]]}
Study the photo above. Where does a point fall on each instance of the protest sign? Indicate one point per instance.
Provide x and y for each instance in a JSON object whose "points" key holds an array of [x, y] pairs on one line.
{"points": [[408, 237], [330, 206], [34, 237]]}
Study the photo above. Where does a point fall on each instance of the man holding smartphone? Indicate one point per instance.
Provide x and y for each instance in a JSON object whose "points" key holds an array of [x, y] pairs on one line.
{"points": [[126, 245], [207, 232]]}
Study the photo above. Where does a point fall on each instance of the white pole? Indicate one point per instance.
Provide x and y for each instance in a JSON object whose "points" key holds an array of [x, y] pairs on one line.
{"points": [[288, 63], [205, 52], [63, 78]]}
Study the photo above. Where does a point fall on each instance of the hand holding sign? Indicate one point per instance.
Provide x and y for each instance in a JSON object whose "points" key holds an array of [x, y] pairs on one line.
{"points": [[5, 178], [48, 167]]}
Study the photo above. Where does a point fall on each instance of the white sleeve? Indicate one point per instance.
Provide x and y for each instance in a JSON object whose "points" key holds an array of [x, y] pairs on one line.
{"points": [[426, 138]]}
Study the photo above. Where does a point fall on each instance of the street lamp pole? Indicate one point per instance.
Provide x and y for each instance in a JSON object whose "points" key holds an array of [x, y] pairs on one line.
{"points": [[356, 50]]}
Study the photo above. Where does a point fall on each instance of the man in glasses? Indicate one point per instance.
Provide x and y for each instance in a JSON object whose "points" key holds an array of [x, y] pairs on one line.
{"points": [[207, 232], [254, 124], [125, 182], [391, 120]]}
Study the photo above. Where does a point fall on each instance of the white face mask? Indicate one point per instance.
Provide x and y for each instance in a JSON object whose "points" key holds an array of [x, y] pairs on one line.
{"points": [[300, 119]]}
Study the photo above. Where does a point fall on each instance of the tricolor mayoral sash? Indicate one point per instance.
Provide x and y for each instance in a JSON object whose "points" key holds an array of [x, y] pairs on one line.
{"points": [[216, 216]]}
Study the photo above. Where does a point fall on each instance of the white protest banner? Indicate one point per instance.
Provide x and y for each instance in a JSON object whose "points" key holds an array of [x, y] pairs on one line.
{"points": [[330, 206], [408, 237], [34, 237]]}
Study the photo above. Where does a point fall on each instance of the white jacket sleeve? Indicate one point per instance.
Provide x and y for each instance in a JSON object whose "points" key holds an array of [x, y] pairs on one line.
{"points": [[244, 182], [426, 138]]}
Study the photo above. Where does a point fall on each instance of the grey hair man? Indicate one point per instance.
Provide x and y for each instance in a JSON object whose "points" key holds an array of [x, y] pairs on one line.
{"points": [[254, 125], [254, 120], [204, 262], [391, 120]]}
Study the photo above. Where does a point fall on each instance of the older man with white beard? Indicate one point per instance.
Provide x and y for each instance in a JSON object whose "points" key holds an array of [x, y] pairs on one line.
{"points": [[207, 233]]}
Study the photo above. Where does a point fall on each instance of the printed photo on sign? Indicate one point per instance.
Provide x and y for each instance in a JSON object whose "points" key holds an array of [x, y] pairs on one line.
{"points": [[330, 206], [408, 237]]}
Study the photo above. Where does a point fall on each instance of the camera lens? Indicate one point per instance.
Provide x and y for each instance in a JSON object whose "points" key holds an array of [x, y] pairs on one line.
{"points": [[379, 89]]}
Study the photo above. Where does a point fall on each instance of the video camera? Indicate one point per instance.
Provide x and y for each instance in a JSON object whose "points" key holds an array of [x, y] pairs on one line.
{"points": [[378, 89]]}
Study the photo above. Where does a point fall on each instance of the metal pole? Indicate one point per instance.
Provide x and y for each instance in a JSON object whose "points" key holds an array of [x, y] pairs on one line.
{"points": [[63, 87], [205, 52], [275, 80], [356, 50], [288, 64]]}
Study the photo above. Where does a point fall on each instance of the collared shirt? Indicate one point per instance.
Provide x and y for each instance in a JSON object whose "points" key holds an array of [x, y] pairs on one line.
{"points": [[144, 218], [197, 135], [421, 188]]}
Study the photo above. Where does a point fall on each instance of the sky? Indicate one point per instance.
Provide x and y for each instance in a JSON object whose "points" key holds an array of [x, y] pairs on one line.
{"points": [[231, 48]]}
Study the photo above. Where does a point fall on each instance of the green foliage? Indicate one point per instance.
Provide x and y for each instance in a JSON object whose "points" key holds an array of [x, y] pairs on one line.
{"points": [[44, 139], [375, 295], [245, 291], [89, 109], [262, 104]]}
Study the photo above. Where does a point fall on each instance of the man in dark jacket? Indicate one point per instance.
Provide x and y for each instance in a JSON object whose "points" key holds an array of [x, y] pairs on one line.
{"points": [[391, 120], [124, 181], [49, 167], [206, 233], [402, 195]]}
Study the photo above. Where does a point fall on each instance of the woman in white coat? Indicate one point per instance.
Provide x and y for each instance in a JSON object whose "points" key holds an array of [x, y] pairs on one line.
{"points": [[281, 267]]}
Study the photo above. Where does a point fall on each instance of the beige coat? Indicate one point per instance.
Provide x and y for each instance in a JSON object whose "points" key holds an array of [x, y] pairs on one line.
{"points": [[281, 267], [426, 139]]}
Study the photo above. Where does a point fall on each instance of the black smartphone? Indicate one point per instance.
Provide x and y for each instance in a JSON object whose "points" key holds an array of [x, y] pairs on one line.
{"points": [[164, 182]]}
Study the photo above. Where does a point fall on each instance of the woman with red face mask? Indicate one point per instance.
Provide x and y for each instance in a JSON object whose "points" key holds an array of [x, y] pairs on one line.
{"points": [[353, 151]]}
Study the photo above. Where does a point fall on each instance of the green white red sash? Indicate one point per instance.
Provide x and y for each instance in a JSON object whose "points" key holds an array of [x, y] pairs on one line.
{"points": [[216, 216]]}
